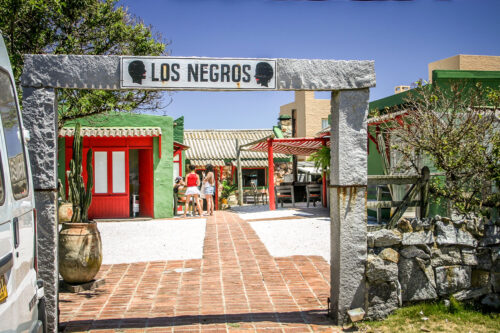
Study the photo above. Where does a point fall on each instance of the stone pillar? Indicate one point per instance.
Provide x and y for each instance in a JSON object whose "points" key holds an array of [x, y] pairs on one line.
{"points": [[348, 181], [40, 118]]}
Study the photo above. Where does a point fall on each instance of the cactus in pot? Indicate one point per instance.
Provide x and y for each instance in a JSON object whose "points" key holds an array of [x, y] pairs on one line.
{"points": [[80, 196], [80, 247]]}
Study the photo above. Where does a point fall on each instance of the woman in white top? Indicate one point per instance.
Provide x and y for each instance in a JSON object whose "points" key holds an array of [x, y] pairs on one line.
{"points": [[209, 182]]}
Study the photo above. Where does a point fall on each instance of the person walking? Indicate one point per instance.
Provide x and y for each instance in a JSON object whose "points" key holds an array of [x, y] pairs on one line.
{"points": [[192, 183], [209, 182]]}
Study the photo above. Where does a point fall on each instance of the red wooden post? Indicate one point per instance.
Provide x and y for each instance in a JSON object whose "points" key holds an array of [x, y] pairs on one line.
{"points": [[270, 159], [324, 183]]}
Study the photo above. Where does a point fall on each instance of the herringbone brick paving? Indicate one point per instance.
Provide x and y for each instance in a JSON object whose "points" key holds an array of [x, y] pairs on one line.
{"points": [[237, 286]]}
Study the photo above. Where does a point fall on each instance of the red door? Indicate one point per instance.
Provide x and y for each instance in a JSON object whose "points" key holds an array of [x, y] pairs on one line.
{"points": [[111, 184], [146, 195]]}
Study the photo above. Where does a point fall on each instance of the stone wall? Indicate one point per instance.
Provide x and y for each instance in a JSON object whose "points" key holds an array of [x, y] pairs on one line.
{"points": [[431, 259]]}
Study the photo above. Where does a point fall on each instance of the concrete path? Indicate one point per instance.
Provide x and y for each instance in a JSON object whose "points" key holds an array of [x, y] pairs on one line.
{"points": [[236, 286]]}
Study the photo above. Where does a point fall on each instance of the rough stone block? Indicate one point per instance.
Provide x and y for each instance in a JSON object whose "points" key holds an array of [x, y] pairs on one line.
{"points": [[305, 74], [378, 270], [389, 255], [348, 250], [48, 236], [484, 259], [495, 282], [480, 278], [495, 259], [40, 119], [412, 251], [450, 279], [415, 283], [384, 237], [348, 138], [447, 234], [492, 301], [404, 225], [469, 257], [383, 298], [491, 235], [71, 71], [470, 294], [445, 256], [418, 238], [465, 238]]}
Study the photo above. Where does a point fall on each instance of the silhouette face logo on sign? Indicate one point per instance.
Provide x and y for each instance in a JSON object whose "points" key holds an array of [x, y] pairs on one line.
{"points": [[263, 73], [137, 71]]}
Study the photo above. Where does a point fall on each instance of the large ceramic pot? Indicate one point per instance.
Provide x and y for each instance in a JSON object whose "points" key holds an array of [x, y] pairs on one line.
{"points": [[80, 252], [65, 212]]}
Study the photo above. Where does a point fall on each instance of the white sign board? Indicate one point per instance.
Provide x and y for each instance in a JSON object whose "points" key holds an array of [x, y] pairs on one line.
{"points": [[198, 73]]}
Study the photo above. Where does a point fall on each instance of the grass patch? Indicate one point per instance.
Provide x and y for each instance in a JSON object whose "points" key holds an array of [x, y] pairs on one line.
{"points": [[457, 317]]}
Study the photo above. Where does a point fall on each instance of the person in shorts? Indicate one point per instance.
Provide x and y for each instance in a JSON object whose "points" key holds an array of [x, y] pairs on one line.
{"points": [[209, 182], [192, 183]]}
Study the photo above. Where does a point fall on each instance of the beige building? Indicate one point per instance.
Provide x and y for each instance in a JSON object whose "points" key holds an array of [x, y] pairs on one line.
{"points": [[466, 62], [308, 114]]}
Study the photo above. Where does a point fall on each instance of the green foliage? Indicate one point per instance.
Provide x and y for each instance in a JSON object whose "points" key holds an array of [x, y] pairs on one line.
{"points": [[461, 138], [94, 27], [455, 306], [438, 318], [321, 158], [79, 194], [228, 188]]}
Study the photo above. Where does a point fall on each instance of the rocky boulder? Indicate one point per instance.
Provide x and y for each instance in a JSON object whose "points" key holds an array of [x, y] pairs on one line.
{"points": [[445, 256], [379, 270], [417, 282], [418, 238], [384, 238], [450, 279], [447, 234], [469, 257], [412, 251], [389, 255], [383, 299]]}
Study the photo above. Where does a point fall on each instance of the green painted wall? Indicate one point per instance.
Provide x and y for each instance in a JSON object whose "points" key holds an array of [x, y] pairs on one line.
{"points": [[61, 158], [179, 137], [163, 168]]}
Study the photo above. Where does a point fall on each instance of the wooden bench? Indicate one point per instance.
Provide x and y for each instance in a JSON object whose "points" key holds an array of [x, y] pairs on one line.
{"points": [[284, 192], [313, 192]]}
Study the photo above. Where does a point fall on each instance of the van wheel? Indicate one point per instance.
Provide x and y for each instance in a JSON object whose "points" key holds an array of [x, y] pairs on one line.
{"points": [[42, 314]]}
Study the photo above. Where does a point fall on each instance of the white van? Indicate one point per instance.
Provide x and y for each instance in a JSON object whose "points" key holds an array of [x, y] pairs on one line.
{"points": [[22, 305]]}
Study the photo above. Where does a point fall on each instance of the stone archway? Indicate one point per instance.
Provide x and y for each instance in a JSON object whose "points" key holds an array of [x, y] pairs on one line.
{"points": [[349, 82]]}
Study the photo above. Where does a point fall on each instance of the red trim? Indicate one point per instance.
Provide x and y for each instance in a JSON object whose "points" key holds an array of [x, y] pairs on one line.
{"points": [[159, 146], [297, 140], [270, 161], [324, 184]]}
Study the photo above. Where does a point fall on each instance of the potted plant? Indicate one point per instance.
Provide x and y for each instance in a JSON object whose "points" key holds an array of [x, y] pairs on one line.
{"points": [[80, 247], [228, 189]]}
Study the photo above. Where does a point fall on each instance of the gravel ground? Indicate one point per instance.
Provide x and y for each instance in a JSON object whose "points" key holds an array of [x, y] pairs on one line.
{"points": [[309, 235], [286, 238], [128, 242]]}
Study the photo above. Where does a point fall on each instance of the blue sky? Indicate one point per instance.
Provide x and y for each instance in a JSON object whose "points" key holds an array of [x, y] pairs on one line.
{"points": [[401, 36]]}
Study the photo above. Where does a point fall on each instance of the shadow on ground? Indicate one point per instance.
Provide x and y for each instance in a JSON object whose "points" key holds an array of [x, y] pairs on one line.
{"points": [[314, 317]]}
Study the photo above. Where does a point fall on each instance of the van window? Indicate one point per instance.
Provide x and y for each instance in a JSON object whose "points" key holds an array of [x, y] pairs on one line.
{"points": [[13, 138]]}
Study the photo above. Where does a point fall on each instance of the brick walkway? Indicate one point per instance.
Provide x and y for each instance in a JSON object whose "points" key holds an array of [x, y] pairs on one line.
{"points": [[237, 286]]}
